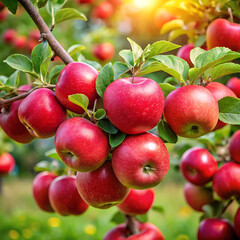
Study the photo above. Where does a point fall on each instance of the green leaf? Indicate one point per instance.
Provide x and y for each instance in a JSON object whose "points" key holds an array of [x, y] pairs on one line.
{"points": [[136, 51], [69, 13], [100, 114], [119, 69], [80, 100], [200, 41], [118, 218], [194, 53], [229, 110], [52, 154], [3, 80], [12, 5], [166, 88], [105, 77], [142, 218], [41, 3], [159, 209], [224, 69], [127, 55], [213, 210], [166, 133], [75, 49], [42, 166], [13, 80], [44, 67], [55, 6], [95, 65], [107, 126], [53, 75], [116, 139]]}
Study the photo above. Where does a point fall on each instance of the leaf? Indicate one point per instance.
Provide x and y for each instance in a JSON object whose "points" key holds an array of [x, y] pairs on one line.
{"points": [[12, 5], [177, 33], [55, 6], [166, 133], [80, 100], [118, 218], [41, 3], [54, 73], [194, 53], [107, 126], [13, 80], [200, 41], [224, 69], [75, 49], [229, 110], [119, 69], [44, 67], [142, 218], [69, 13], [166, 88], [127, 55], [100, 114], [213, 210], [171, 25], [52, 154], [116, 139], [42, 166], [3, 80], [95, 65], [136, 51], [105, 77], [159, 209]]}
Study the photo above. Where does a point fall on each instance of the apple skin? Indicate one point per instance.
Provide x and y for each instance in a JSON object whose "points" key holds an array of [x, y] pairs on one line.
{"points": [[222, 33], [40, 187], [237, 223], [84, 1], [76, 78], [7, 163], [41, 113], [198, 166], [226, 181], [137, 202], [81, 145], [64, 196], [197, 196], [216, 229], [104, 11], [3, 15], [234, 85], [1, 6], [148, 231], [100, 188], [191, 111], [134, 107], [104, 51], [234, 146], [20, 43], [9, 35], [141, 161], [184, 53]]}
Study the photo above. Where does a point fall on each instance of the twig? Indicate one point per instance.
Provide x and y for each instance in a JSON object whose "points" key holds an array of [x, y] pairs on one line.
{"points": [[230, 14], [225, 208], [132, 224]]}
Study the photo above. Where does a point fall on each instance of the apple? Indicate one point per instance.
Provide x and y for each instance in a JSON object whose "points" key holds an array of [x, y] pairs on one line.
{"points": [[40, 187], [64, 196], [234, 146], [237, 222], [163, 16], [9, 35], [1, 6], [116, 3], [226, 181], [184, 53], [81, 145], [84, 1], [76, 78], [198, 166], [34, 35], [41, 113], [103, 11], [3, 15], [216, 229], [234, 85], [20, 43], [191, 111], [197, 196], [100, 188], [134, 105], [137, 202], [222, 33], [104, 51], [7, 163], [141, 161], [147, 231]]}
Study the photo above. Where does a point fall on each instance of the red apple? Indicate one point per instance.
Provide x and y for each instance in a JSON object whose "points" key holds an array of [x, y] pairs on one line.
{"points": [[41, 184], [141, 161], [163, 16], [216, 229], [41, 113], [222, 33], [81, 145], [9, 35], [20, 42], [226, 181], [198, 166], [134, 105], [191, 111], [84, 1], [147, 231], [137, 202], [104, 10], [7, 163], [234, 146], [34, 35], [75, 78], [184, 53], [101, 188], [64, 196], [197, 196], [3, 15], [1, 6], [234, 85], [237, 223], [104, 51]]}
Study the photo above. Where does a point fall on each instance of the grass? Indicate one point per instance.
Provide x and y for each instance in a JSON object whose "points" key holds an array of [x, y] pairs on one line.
{"points": [[21, 219]]}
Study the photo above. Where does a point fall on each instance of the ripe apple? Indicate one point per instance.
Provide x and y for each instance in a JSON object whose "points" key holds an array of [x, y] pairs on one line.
{"points": [[163, 16], [103, 11], [116, 3], [81, 145], [147, 231], [41, 184], [41, 113], [222, 33], [104, 51], [101, 188], [226, 181], [198, 166], [64, 196], [3, 15], [9, 35], [20, 43], [216, 229], [234, 146], [237, 223], [1, 6], [184, 53], [197, 196], [191, 111], [34, 35], [7, 163], [84, 1], [141, 161], [76, 78], [137, 202], [134, 105], [234, 85]]}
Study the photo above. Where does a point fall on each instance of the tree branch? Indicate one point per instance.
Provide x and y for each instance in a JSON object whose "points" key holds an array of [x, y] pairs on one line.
{"points": [[132, 224], [225, 207], [45, 32]]}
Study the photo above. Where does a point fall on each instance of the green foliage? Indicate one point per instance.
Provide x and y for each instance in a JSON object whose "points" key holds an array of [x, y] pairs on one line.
{"points": [[166, 133], [116, 139], [107, 126], [166, 88], [118, 218], [80, 100], [99, 114], [12, 5]]}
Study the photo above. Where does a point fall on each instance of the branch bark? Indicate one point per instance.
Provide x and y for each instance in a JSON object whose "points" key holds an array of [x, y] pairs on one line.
{"points": [[132, 224], [45, 32]]}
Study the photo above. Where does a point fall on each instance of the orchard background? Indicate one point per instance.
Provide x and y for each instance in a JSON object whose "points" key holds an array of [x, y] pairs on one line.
{"points": [[96, 32]]}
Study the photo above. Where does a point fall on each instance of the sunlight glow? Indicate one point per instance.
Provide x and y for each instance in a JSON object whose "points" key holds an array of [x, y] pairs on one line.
{"points": [[142, 3]]}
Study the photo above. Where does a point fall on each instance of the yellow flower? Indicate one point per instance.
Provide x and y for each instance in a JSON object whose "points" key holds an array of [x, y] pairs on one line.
{"points": [[54, 222], [13, 234], [27, 233], [90, 229]]}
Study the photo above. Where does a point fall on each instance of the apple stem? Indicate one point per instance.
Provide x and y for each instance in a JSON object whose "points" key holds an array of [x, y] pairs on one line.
{"points": [[132, 224], [225, 208], [70, 172], [1, 185], [230, 14]]}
